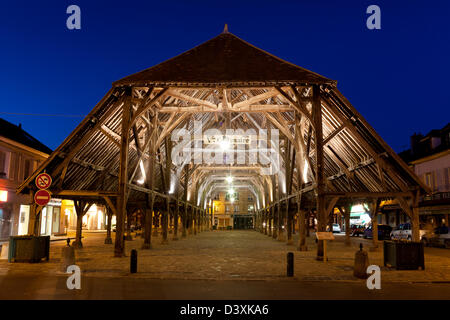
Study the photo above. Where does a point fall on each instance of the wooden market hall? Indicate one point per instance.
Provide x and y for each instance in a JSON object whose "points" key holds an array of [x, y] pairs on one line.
{"points": [[325, 156]]}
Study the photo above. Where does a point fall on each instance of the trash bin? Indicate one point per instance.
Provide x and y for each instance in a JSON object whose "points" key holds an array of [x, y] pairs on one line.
{"points": [[404, 255], [28, 248]]}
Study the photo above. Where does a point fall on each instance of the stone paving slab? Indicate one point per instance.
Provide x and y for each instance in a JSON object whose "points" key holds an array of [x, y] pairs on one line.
{"points": [[230, 255]]}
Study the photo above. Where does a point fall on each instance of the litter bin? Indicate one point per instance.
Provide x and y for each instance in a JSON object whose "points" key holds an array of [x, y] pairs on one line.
{"points": [[28, 248], [404, 255]]}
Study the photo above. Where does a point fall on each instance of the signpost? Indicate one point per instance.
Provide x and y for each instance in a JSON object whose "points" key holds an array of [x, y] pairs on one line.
{"points": [[325, 236], [42, 197], [43, 182]]}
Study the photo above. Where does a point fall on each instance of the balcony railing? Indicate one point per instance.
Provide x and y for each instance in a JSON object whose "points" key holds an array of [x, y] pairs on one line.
{"points": [[436, 196]]}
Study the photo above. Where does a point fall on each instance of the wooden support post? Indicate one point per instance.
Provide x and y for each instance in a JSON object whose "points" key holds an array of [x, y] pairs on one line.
{"points": [[374, 216], [190, 220], [276, 223], [119, 247], [109, 214], [319, 167], [288, 225], [81, 207], [156, 223], [266, 220], [128, 225], [346, 212], [165, 222], [194, 221], [270, 216], [175, 220], [148, 223], [301, 230], [415, 222], [184, 221]]}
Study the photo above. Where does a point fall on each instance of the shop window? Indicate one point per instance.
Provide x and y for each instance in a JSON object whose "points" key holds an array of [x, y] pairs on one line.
{"points": [[227, 208], [236, 208], [24, 219]]}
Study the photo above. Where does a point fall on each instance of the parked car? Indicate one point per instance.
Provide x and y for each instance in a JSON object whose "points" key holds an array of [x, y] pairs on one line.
{"points": [[336, 228], [403, 232], [356, 230], [384, 232], [440, 237]]}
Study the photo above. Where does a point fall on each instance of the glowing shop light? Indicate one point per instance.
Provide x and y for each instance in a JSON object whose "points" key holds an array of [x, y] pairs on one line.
{"points": [[3, 195], [224, 144], [141, 165], [305, 172], [229, 179]]}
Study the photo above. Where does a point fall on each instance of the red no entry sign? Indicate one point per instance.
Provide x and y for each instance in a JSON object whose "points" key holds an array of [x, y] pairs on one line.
{"points": [[42, 197], [43, 181]]}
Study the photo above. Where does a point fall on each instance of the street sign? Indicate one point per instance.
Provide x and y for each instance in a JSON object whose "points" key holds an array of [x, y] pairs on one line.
{"points": [[42, 197], [324, 236], [43, 181]]}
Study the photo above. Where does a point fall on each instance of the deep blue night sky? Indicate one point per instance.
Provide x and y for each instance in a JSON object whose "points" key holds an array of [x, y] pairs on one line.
{"points": [[396, 77]]}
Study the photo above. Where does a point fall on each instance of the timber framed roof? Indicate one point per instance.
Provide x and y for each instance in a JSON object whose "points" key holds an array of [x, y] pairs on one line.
{"points": [[225, 83]]}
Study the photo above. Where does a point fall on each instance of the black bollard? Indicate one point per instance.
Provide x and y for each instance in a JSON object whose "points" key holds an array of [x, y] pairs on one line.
{"points": [[133, 261], [290, 264]]}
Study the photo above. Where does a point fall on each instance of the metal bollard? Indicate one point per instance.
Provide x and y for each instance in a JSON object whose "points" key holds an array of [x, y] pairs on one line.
{"points": [[133, 261], [290, 264]]}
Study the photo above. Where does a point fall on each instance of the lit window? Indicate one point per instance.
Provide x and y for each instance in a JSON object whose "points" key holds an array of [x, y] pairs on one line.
{"points": [[3, 195]]}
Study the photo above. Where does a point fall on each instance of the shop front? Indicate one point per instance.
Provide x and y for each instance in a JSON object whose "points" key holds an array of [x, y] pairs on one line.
{"points": [[94, 219], [50, 218]]}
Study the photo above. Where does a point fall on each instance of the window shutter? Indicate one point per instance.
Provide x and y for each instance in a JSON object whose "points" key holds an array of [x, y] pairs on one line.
{"points": [[2, 162]]}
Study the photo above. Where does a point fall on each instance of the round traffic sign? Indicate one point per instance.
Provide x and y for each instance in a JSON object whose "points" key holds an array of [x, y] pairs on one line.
{"points": [[42, 197], [43, 181]]}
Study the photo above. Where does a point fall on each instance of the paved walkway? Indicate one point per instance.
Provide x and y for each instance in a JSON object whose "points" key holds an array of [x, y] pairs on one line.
{"points": [[229, 255]]}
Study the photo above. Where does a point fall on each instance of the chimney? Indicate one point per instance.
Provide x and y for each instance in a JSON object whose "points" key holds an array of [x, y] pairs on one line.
{"points": [[415, 139]]}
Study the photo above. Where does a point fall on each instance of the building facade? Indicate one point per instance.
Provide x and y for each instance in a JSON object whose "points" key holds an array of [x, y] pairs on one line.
{"points": [[234, 210], [429, 158], [20, 155]]}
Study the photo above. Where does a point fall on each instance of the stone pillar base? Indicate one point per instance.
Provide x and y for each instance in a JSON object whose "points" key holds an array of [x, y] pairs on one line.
{"points": [[108, 241]]}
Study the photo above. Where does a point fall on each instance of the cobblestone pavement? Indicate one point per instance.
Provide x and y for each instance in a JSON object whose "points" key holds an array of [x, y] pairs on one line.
{"points": [[230, 255]]}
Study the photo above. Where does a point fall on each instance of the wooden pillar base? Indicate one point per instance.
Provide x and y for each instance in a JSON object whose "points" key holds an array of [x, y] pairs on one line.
{"points": [[77, 244], [108, 240], [128, 237], [165, 241], [174, 238], [146, 246], [289, 242], [302, 248]]}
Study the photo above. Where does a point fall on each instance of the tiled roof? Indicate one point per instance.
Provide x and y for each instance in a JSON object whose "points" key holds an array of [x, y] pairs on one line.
{"points": [[225, 59], [17, 134]]}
